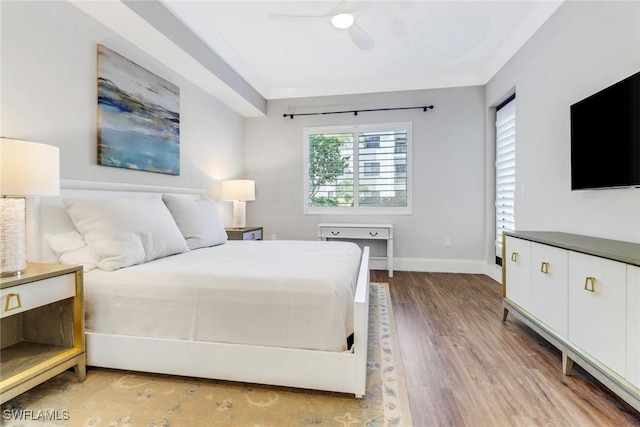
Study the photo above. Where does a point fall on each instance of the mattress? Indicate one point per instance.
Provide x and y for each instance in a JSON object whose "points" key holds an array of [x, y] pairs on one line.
{"points": [[296, 294]]}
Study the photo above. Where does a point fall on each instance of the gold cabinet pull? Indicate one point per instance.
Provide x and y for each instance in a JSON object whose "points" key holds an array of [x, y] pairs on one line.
{"points": [[514, 256], [590, 284], [7, 304], [544, 267]]}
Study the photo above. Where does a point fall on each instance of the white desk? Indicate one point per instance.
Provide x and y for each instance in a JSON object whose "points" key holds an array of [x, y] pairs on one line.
{"points": [[355, 231]]}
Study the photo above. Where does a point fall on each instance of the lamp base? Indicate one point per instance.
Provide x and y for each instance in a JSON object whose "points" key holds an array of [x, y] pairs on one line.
{"points": [[13, 247], [239, 214]]}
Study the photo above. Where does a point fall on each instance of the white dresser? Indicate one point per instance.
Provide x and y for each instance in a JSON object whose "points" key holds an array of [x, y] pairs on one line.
{"points": [[358, 231], [582, 294]]}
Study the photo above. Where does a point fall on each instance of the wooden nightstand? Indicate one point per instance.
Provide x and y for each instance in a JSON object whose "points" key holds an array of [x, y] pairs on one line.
{"points": [[244, 233], [42, 327]]}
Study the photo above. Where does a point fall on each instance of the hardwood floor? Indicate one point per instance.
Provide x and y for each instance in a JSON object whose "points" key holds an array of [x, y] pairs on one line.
{"points": [[465, 367]]}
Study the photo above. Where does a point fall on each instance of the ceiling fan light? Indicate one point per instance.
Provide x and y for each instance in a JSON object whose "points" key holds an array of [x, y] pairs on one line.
{"points": [[342, 20]]}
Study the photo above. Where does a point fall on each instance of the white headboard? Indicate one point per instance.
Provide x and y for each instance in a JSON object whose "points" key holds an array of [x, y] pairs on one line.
{"points": [[48, 215]]}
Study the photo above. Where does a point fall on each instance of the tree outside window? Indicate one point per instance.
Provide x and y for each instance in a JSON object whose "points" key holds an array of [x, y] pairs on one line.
{"points": [[328, 166]]}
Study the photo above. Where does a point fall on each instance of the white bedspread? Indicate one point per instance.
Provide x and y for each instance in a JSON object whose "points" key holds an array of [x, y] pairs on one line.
{"points": [[295, 294]]}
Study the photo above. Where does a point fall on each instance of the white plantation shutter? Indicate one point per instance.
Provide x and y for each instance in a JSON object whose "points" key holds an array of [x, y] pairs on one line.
{"points": [[373, 177], [382, 158], [505, 170]]}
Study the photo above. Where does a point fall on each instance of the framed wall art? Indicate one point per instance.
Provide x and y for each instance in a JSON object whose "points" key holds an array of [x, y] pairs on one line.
{"points": [[138, 117]]}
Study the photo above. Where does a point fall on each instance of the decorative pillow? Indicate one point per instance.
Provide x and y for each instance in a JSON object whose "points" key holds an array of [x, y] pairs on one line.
{"points": [[126, 231], [198, 220], [70, 248]]}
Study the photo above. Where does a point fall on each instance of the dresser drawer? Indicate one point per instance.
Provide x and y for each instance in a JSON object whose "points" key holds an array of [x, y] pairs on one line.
{"points": [[17, 299], [354, 233]]}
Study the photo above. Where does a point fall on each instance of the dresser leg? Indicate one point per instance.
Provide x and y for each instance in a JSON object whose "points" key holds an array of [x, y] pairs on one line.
{"points": [[505, 312], [567, 364]]}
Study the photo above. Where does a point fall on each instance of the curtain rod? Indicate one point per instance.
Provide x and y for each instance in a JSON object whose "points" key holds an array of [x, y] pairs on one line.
{"points": [[355, 112]]}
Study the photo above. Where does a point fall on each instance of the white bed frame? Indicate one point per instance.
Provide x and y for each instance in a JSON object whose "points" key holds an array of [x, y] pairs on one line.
{"points": [[312, 369]]}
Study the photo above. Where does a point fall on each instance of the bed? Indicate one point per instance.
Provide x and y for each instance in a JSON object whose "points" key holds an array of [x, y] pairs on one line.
{"points": [[285, 321]]}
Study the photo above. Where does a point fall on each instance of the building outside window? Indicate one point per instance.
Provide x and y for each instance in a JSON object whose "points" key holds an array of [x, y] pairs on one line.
{"points": [[371, 168]]}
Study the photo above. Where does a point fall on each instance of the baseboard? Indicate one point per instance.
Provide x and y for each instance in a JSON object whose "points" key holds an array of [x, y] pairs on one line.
{"points": [[494, 271], [440, 265], [433, 265]]}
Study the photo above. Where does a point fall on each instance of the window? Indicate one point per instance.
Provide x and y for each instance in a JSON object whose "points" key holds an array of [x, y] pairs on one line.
{"points": [[370, 161], [505, 171], [371, 168], [372, 141]]}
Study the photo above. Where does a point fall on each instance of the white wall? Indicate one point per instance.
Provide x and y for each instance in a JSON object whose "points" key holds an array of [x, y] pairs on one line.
{"points": [[49, 91], [448, 172], [583, 48], [49, 95]]}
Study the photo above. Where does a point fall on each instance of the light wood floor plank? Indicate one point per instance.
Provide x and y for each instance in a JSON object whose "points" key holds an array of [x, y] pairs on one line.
{"points": [[465, 367]]}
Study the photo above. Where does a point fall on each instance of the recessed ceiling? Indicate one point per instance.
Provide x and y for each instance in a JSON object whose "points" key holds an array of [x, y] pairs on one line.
{"points": [[246, 52], [418, 44]]}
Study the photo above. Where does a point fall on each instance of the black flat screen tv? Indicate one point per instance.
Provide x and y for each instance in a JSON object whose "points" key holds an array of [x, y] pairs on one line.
{"points": [[605, 137]]}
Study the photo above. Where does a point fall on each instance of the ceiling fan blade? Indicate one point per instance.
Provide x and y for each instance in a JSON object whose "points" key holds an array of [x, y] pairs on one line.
{"points": [[347, 6], [360, 37], [288, 17]]}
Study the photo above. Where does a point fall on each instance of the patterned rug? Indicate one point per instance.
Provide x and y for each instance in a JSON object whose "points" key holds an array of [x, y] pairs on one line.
{"points": [[126, 399]]}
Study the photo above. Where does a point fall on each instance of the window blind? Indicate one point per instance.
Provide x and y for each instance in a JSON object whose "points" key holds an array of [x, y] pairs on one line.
{"points": [[358, 169], [505, 171], [382, 158]]}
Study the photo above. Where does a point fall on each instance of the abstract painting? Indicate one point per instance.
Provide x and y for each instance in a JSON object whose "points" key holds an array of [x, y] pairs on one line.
{"points": [[138, 117]]}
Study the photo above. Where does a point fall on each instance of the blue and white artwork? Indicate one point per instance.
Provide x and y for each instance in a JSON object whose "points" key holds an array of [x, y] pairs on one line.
{"points": [[138, 117]]}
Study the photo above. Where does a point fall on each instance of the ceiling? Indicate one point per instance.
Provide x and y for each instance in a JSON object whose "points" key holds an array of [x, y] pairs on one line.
{"points": [[418, 44]]}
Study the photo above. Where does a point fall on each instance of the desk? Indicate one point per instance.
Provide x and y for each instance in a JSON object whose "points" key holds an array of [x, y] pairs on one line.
{"points": [[356, 231]]}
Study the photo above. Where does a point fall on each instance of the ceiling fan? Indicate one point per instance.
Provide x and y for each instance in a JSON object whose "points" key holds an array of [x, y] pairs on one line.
{"points": [[343, 17]]}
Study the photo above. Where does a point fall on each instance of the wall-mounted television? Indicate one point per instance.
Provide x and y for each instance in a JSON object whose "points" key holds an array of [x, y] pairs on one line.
{"points": [[605, 137]]}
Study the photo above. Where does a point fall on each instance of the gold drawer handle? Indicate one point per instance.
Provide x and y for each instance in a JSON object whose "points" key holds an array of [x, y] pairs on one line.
{"points": [[335, 233], [590, 284], [544, 267], [514, 256], [373, 234], [7, 304]]}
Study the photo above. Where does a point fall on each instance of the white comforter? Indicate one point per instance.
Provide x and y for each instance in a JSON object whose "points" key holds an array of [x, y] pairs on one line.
{"points": [[295, 294]]}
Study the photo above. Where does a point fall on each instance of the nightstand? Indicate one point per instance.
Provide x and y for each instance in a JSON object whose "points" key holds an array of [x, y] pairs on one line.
{"points": [[42, 327], [244, 233]]}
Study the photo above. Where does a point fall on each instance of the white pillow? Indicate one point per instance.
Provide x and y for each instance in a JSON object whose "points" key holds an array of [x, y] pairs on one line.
{"points": [[70, 248], [126, 231], [198, 220]]}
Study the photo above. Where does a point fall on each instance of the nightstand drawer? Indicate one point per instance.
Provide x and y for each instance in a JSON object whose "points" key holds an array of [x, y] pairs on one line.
{"points": [[252, 235], [354, 233], [244, 233], [16, 299]]}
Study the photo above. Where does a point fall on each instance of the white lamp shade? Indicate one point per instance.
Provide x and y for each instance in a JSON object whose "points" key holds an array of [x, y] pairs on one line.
{"points": [[239, 189], [28, 168]]}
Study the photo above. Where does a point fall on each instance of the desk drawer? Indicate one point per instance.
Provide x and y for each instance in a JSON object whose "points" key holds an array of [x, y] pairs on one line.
{"points": [[354, 233], [17, 299]]}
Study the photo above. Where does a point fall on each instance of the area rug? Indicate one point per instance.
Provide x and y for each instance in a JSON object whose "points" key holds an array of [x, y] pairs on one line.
{"points": [[128, 399]]}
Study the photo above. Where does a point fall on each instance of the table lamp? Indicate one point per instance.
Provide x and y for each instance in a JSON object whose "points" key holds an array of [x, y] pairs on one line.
{"points": [[26, 169], [239, 191]]}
